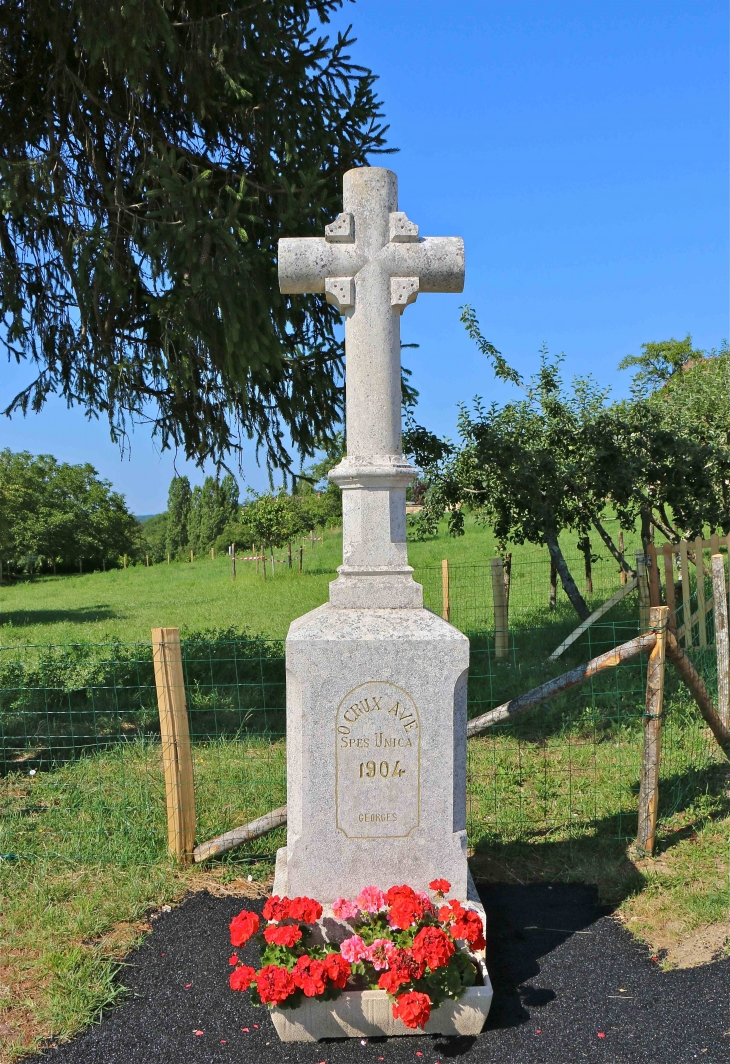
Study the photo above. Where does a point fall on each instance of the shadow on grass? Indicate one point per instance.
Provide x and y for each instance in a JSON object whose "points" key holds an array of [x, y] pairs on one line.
{"points": [[599, 855], [81, 615]]}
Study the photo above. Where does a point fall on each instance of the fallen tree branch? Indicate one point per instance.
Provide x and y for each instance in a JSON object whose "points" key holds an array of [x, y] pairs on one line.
{"points": [[640, 645], [695, 685], [224, 843]]}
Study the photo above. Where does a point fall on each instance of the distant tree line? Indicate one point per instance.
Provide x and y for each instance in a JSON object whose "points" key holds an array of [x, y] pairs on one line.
{"points": [[211, 516], [58, 517]]}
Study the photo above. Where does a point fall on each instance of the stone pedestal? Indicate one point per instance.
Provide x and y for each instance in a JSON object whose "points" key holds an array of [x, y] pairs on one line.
{"points": [[376, 752]]}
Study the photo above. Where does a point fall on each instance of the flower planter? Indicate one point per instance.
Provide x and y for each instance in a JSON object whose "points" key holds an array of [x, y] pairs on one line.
{"points": [[368, 1014]]}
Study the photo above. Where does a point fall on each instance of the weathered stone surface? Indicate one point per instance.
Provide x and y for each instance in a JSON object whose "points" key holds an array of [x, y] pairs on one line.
{"points": [[371, 264], [368, 1014], [376, 751]]}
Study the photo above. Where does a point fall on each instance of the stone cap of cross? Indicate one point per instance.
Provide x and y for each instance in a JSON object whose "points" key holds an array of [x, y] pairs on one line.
{"points": [[371, 234]]}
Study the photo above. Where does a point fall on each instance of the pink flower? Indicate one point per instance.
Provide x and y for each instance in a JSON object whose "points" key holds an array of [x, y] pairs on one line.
{"points": [[344, 909], [428, 906], [371, 900], [353, 949], [380, 953]]}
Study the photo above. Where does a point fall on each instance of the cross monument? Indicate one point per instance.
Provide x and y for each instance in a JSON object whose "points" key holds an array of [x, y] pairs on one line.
{"points": [[376, 684]]}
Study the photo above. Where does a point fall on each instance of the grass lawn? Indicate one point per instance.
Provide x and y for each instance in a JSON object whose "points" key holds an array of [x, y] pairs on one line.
{"points": [[69, 918], [83, 864], [125, 604]]}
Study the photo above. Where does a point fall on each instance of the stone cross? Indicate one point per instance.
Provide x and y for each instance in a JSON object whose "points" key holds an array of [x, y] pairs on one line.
{"points": [[376, 684], [371, 264]]}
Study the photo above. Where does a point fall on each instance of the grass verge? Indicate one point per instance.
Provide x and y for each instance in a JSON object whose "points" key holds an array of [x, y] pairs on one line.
{"points": [[69, 919]]}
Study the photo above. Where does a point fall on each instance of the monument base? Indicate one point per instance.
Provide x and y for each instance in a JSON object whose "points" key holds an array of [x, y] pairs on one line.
{"points": [[376, 751], [369, 1013]]}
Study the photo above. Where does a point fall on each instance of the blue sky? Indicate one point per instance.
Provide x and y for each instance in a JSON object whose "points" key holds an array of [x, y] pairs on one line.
{"points": [[581, 150]]}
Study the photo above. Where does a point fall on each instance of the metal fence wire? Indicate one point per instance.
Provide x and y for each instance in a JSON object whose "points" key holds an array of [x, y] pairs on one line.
{"points": [[81, 759]]}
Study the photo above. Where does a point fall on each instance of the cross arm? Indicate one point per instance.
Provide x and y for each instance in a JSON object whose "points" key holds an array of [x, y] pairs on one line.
{"points": [[305, 262], [437, 262]]}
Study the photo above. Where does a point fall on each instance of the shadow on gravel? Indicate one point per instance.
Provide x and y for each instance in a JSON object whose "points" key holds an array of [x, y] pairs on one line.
{"points": [[524, 924]]}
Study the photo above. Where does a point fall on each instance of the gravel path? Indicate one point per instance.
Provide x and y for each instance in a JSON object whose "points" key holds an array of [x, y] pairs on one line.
{"points": [[570, 986]]}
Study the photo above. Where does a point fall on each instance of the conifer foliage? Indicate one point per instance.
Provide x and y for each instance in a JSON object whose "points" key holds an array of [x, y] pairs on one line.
{"points": [[152, 152]]}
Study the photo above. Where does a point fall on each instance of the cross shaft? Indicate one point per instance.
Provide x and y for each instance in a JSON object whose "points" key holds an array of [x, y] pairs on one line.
{"points": [[371, 264]]}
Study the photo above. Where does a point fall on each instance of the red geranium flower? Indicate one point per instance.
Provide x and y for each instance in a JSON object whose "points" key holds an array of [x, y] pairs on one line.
{"points": [[440, 886], [393, 980], [337, 970], [309, 975], [413, 1009], [449, 912], [274, 984], [405, 911], [403, 960], [276, 908], [305, 909], [396, 893], [242, 978], [243, 927], [468, 925], [284, 935], [433, 946]]}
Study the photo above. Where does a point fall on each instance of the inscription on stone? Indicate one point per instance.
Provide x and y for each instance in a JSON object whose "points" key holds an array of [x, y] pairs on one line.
{"points": [[378, 764]]}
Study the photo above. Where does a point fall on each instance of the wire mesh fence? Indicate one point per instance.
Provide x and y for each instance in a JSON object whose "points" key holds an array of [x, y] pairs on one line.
{"points": [[81, 758], [535, 596]]}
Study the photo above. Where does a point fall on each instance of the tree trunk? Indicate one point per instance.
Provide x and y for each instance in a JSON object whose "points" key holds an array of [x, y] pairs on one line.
{"points": [[611, 545], [647, 531], [569, 585], [584, 546]]}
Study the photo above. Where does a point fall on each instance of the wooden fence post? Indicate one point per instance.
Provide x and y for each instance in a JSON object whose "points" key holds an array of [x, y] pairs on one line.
{"points": [[668, 550], [445, 604], [212, 554], [301, 557], [700, 570], [501, 620], [719, 594], [642, 580], [686, 601], [125, 561], [191, 557], [177, 759], [168, 557], [649, 789], [553, 585], [233, 565], [655, 589], [147, 561]]}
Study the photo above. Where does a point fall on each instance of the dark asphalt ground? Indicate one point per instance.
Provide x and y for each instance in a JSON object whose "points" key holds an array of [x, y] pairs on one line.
{"points": [[557, 963]]}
